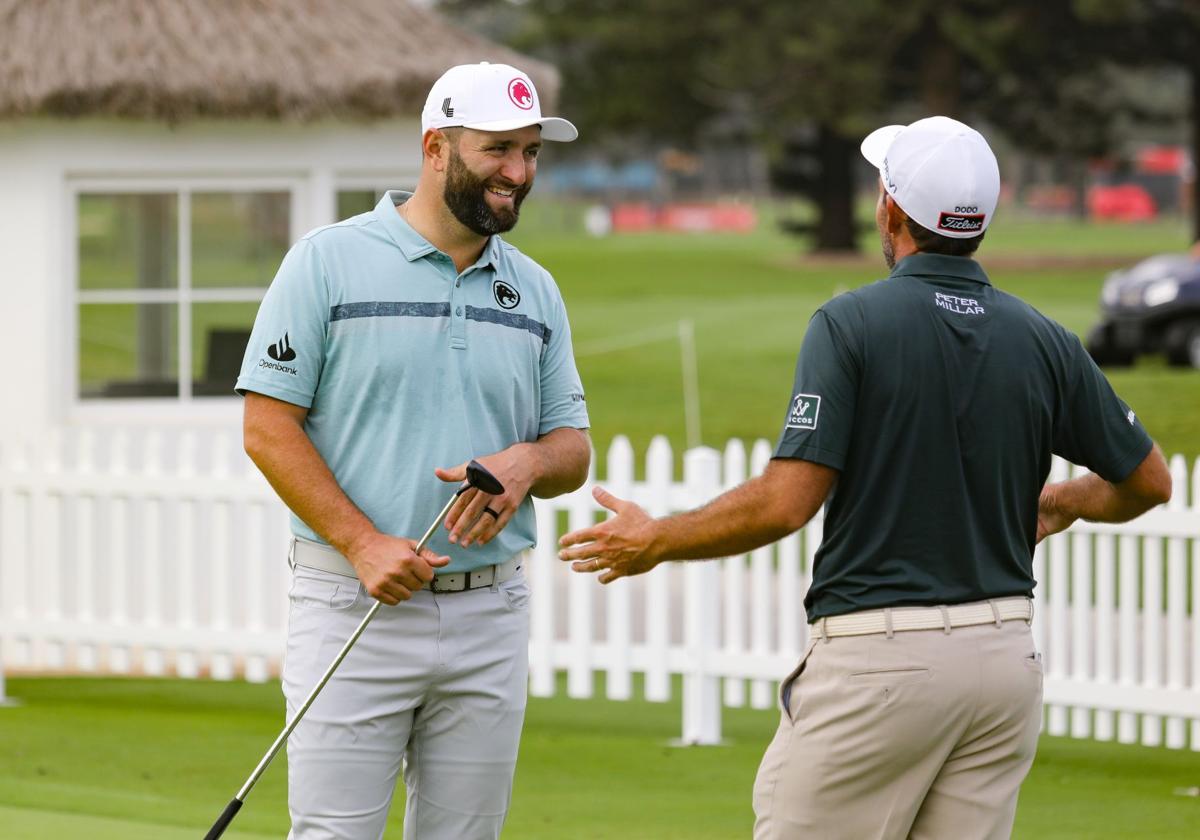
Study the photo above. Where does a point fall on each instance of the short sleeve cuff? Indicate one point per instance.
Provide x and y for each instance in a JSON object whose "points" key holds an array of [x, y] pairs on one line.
{"points": [[808, 452], [570, 419], [270, 389], [1123, 467]]}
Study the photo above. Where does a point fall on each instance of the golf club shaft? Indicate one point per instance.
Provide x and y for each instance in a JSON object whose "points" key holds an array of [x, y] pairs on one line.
{"points": [[230, 810]]}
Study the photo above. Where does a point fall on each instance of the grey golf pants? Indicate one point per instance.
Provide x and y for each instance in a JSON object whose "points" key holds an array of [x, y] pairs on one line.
{"points": [[436, 685], [924, 735]]}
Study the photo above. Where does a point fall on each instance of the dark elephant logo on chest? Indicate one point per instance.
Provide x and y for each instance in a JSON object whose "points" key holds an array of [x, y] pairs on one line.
{"points": [[505, 295]]}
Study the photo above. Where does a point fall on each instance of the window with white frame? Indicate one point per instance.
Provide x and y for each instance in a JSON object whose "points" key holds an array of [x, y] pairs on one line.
{"points": [[168, 282]]}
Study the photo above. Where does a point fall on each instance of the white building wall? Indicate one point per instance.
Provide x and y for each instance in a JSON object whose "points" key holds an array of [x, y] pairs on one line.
{"points": [[41, 159]]}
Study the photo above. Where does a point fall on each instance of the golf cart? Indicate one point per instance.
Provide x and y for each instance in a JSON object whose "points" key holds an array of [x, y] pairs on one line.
{"points": [[1153, 307]]}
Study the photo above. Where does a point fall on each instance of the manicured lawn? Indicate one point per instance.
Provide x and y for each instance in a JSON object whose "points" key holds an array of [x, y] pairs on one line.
{"points": [[130, 759], [750, 298]]}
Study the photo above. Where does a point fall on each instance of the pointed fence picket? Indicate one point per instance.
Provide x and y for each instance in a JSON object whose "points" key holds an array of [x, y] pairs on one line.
{"points": [[162, 552]]}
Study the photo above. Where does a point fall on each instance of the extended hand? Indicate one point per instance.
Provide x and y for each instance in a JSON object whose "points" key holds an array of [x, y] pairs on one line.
{"points": [[390, 570], [621, 544], [1051, 520], [477, 517]]}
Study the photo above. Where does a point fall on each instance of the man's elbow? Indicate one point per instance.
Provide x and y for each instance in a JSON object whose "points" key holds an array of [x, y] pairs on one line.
{"points": [[1151, 486], [1158, 489], [254, 439], [582, 461]]}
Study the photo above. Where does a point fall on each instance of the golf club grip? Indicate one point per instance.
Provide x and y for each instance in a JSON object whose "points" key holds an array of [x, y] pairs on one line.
{"points": [[223, 821]]}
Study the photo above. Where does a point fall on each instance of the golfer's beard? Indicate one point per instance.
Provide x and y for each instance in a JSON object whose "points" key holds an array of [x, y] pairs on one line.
{"points": [[889, 249], [464, 195]]}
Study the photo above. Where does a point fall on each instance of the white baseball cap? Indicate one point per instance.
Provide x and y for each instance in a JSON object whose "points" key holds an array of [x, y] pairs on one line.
{"points": [[490, 97], [941, 172]]}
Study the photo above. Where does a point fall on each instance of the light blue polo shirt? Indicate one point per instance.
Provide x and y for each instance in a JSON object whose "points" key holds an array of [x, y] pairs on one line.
{"points": [[405, 365]]}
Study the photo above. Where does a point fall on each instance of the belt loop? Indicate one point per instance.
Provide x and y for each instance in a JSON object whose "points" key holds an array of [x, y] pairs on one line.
{"points": [[821, 630], [495, 577], [887, 622], [995, 613], [1029, 621], [945, 618], [292, 554]]}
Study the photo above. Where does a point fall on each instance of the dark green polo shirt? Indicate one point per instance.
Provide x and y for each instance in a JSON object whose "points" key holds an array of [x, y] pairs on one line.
{"points": [[940, 400]]}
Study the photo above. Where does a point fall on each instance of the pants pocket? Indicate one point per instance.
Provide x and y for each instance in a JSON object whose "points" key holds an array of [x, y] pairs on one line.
{"points": [[317, 590], [891, 676], [789, 682], [516, 593]]}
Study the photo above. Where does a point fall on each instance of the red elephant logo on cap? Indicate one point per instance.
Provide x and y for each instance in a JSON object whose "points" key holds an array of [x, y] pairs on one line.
{"points": [[520, 93]]}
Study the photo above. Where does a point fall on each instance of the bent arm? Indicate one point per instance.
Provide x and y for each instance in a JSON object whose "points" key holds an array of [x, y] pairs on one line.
{"points": [[560, 461], [1091, 498], [274, 438], [764, 509]]}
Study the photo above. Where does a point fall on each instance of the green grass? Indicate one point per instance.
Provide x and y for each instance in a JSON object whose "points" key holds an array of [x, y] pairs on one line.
{"points": [[129, 759], [751, 296]]}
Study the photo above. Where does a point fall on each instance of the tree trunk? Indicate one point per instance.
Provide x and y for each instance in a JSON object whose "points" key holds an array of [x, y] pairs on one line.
{"points": [[941, 90], [836, 230]]}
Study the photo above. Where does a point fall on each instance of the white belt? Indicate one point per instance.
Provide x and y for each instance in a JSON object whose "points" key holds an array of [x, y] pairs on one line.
{"points": [[314, 555], [898, 619]]}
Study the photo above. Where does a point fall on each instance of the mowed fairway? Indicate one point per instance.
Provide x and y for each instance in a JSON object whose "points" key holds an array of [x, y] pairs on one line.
{"points": [[750, 298], [159, 759]]}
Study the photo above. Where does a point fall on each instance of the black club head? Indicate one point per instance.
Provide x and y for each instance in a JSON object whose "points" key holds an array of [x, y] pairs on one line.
{"points": [[479, 478]]}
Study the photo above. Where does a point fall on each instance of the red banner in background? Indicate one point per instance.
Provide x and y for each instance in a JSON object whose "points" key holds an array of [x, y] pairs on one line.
{"points": [[688, 218]]}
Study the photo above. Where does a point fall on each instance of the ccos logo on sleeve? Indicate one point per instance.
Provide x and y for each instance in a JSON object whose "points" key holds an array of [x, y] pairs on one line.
{"points": [[804, 411]]}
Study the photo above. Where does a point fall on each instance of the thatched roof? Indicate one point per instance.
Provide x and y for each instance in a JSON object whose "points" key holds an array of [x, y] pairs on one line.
{"points": [[182, 59]]}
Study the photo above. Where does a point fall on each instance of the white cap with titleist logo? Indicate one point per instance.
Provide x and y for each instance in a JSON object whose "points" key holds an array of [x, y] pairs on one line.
{"points": [[490, 97], [941, 172]]}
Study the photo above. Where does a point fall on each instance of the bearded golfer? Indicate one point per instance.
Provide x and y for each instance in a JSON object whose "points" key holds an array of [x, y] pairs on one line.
{"points": [[390, 348], [924, 414]]}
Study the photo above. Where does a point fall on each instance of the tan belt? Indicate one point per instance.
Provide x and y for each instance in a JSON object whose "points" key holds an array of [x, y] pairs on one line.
{"points": [[899, 619], [313, 555]]}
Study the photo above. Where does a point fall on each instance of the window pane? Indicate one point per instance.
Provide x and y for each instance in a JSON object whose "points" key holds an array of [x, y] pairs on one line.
{"points": [[352, 202], [128, 350], [128, 241], [238, 239], [219, 335]]}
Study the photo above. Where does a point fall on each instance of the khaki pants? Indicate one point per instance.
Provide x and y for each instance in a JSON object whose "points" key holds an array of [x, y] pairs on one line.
{"points": [[925, 735]]}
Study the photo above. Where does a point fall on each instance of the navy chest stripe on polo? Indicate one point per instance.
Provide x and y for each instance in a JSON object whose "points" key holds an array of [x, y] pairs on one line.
{"points": [[509, 319], [409, 309], [388, 309]]}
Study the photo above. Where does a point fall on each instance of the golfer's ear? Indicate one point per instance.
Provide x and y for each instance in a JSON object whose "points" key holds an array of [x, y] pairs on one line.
{"points": [[435, 148]]}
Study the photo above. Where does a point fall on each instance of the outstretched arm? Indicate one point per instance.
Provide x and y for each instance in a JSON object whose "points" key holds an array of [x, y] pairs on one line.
{"points": [[760, 511]]}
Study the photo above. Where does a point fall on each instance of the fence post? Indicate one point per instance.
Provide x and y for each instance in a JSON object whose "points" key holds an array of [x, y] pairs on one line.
{"points": [[618, 616], [762, 592], [1176, 736], [541, 616], [734, 584], [85, 552], [701, 609], [581, 630], [152, 559], [659, 469]]}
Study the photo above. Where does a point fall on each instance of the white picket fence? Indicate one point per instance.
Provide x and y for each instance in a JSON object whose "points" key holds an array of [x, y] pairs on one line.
{"points": [[161, 552]]}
